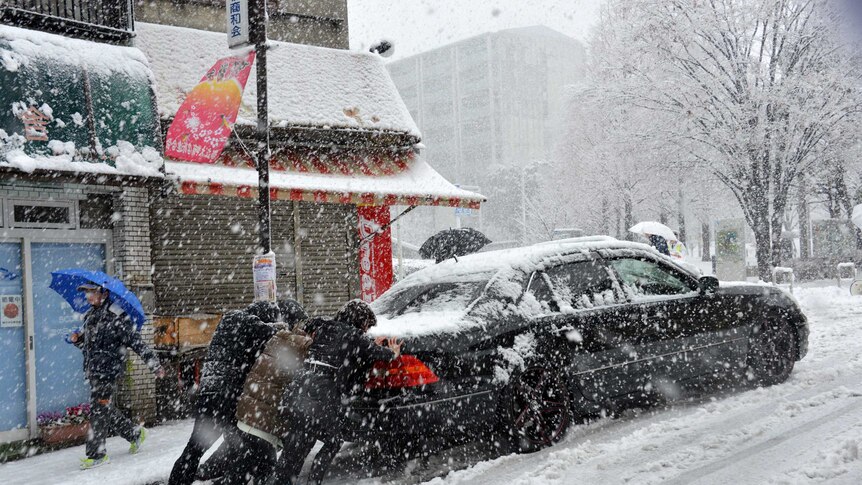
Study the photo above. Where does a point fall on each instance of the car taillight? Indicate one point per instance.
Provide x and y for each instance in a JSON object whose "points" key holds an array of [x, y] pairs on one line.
{"points": [[405, 371]]}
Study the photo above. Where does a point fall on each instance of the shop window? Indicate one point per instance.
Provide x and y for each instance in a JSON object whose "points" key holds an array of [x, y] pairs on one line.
{"points": [[42, 214]]}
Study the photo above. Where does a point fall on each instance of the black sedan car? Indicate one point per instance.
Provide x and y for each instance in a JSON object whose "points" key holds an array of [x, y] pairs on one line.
{"points": [[524, 342]]}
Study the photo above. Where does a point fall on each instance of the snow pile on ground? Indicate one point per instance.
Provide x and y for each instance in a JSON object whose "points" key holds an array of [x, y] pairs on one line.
{"points": [[308, 86]]}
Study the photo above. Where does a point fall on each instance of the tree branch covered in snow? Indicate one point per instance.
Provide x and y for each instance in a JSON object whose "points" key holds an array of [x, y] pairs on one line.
{"points": [[754, 93]]}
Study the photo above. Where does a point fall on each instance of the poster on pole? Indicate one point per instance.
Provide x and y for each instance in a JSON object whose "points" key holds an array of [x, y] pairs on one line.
{"points": [[11, 314], [375, 254], [205, 120], [237, 23], [264, 277]]}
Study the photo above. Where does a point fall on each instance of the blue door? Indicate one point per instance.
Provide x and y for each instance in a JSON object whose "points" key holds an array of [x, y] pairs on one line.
{"points": [[13, 362], [59, 374]]}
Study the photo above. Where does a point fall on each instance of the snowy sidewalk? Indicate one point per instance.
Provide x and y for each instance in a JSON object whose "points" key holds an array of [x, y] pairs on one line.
{"points": [[163, 446]]}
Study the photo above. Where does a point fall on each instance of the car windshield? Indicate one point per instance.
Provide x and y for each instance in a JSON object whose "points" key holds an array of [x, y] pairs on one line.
{"points": [[431, 297]]}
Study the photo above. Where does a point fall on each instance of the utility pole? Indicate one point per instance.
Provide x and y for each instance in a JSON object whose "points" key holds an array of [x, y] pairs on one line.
{"points": [[257, 19], [264, 267], [523, 206]]}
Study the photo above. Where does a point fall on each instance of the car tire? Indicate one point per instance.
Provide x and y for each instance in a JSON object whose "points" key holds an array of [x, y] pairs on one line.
{"points": [[536, 409], [772, 354]]}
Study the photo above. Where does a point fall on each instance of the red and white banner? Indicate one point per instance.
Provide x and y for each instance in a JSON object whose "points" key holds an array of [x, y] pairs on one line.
{"points": [[205, 120], [375, 255]]}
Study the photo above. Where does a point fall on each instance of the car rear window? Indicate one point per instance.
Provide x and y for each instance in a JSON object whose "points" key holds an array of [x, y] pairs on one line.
{"points": [[433, 297]]}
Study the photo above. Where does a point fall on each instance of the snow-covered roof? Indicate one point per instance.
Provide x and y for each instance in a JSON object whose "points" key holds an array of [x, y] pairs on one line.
{"points": [[416, 183], [308, 86], [126, 158], [43, 72], [27, 44]]}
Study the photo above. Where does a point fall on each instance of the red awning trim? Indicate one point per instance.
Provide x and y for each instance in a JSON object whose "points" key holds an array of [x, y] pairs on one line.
{"points": [[380, 178], [245, 191]]}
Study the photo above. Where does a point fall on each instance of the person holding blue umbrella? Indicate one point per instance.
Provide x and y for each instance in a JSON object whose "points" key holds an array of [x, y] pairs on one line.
{"points": [[109, 329]]}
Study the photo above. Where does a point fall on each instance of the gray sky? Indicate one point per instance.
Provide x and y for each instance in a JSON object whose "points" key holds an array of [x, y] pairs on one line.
{"points": [[419, 25]]}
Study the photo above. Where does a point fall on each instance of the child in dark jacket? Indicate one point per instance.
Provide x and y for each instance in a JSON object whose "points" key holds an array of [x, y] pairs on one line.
{"points": [[104, 337]]}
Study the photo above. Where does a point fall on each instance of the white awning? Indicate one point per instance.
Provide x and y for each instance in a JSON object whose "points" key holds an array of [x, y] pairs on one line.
{"points": [[365, 180]]}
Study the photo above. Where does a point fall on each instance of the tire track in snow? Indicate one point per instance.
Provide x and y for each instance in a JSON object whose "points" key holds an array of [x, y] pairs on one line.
{"points": [[746, 453]]}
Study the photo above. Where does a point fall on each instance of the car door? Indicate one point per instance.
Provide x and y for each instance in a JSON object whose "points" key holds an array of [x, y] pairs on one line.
{"points": [[583, 302], [678, 330]]}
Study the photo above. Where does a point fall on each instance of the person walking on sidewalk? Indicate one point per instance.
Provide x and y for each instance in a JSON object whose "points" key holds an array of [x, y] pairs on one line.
{"points": [[106, 334]]}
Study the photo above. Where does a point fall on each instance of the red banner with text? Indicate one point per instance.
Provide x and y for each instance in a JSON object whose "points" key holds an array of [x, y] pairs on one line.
{"points": [[375, 255], [204, 121]]}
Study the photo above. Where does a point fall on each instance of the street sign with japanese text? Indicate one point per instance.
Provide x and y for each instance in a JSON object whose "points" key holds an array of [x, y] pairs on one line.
{"points": [[237, 23], [205, 120]]}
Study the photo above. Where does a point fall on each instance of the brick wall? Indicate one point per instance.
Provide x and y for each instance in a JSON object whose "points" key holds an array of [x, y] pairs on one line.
{"points": [[133, 263]]}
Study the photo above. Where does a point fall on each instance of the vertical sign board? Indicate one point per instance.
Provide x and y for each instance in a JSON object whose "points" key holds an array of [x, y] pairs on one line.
{"points": [[11, 313], [375, 255], [730, 249], [237, 23], [264, 277]]}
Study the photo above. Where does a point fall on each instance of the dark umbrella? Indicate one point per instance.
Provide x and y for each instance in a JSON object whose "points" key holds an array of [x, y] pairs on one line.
{"points": [[453, 242], [66, 283]]}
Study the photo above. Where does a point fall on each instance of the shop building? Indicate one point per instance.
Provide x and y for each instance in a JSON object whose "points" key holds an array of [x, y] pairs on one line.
{"points": [[79, 153]]}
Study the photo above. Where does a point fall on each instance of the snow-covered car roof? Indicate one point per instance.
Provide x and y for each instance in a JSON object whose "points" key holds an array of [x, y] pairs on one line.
{"points": [[308, 86], [527, 258], [504, 270]]}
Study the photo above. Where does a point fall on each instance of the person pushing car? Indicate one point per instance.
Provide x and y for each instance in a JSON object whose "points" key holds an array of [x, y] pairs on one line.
{"points": [[338, 362]]}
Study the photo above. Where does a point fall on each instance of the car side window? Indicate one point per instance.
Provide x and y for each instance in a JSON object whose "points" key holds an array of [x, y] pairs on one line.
{"points": [[541, 290], [582, 284], [646, 278]]}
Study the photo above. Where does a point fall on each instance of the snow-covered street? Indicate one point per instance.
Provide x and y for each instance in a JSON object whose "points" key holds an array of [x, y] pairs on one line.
{"points": [[807, 430]]}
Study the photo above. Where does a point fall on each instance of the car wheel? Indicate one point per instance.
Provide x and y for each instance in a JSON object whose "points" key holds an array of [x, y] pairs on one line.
{"points": [[538, 409], [772, 354]]}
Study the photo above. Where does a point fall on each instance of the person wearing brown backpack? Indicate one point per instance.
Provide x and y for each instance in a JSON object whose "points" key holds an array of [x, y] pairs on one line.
{"points": [[258, 413]]}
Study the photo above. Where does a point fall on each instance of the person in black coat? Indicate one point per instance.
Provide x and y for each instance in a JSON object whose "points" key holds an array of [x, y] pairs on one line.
{"points": [[242, 458], [236, 343], [659, 242], [103, 339], [337, 365]]}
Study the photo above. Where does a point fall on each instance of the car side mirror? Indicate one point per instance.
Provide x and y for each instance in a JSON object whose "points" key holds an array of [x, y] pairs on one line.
{"points": [[707, 285]]}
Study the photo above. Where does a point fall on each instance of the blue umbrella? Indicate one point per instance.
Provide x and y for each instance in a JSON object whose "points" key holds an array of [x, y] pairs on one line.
{"points": [[66, 283]]}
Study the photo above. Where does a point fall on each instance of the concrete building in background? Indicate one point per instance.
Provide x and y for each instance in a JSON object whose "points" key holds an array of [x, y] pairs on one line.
{"points": [[311, 22], [487, 104]]}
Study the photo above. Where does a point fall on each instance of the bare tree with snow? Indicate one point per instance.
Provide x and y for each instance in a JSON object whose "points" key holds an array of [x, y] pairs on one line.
{"points": [[754, 90]]}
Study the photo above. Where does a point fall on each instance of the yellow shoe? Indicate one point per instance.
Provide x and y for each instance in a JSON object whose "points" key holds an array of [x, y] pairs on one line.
{"points": [[88, 463], [135, 446]]}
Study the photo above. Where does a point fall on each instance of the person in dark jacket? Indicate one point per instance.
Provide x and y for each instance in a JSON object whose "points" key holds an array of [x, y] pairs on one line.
{"points": [[257, 408], [106, 334], [236, 343], [337, 365], [659, 243]]}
